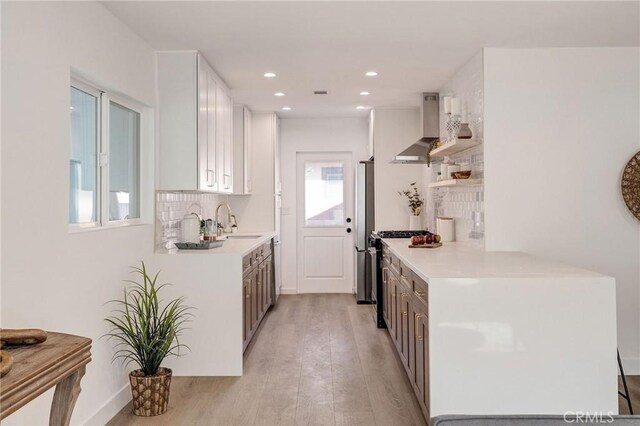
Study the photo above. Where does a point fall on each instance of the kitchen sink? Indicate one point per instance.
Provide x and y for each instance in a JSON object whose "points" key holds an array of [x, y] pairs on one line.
{"points": [[243, 236]]}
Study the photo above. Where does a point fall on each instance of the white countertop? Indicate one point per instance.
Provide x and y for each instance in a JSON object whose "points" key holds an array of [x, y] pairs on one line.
{"points": [[469, 260], [238, 246]]}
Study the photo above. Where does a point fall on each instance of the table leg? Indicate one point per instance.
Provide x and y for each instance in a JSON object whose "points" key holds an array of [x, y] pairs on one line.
{"points": [[64, 399]]}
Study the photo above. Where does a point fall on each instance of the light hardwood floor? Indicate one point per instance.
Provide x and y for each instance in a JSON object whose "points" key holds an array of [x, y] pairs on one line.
{"points": [[633, 382], [317, 359]]}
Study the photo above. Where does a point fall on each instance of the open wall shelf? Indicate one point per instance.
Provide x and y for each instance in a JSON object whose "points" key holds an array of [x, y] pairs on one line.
{"points": [[454, 147], [456, 182]]}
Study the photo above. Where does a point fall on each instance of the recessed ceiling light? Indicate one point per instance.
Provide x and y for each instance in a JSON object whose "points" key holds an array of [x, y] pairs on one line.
{"points": [[365, 93], [286, 108], [371, 73], [269, 74], [278, 94], [361, 107]]}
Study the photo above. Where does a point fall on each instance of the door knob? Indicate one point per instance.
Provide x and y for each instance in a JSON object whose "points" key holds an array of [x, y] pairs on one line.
{"points": [[348, 220], [348, 230]]}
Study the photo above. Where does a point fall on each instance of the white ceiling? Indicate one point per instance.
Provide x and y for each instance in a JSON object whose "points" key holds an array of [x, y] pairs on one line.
{"points": [[414, 46]]}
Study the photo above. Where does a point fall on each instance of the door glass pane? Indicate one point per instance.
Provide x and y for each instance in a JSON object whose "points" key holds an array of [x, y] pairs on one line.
{"points": [[324, 193], [83, 167], [124, 163]]}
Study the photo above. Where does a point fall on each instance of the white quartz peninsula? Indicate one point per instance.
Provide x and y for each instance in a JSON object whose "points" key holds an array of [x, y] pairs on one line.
{"points": [[213, 282], [508, 333]]}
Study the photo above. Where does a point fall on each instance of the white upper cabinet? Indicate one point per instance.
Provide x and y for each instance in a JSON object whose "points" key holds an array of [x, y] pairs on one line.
{"points": [[224, 132], [195, 123], [242, 118]]}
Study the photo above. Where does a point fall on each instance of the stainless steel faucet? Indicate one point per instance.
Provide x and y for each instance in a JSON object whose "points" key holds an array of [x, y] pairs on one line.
{"points": [[220, 228]]}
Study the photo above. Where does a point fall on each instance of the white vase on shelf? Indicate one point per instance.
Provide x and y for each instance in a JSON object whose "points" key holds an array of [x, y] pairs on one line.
{"points": [[415, 223]]}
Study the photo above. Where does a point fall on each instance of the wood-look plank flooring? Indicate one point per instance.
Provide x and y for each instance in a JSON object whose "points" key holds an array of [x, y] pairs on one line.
{"points": [[316, 360], [633, 383]]}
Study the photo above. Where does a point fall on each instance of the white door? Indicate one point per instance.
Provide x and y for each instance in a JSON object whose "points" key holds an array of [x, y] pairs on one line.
{"points": [[324, 223]]}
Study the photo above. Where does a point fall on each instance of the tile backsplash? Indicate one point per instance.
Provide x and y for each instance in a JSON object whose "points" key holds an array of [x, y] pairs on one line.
{"points": [[172, 206], [464, 204]]}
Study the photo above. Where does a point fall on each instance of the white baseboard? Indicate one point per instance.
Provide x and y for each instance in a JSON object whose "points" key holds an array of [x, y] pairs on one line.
{"points": [[631, 366], [110, 408], [288, 290]]}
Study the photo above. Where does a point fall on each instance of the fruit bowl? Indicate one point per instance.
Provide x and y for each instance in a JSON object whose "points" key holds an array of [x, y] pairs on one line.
{"points": [[461, 175]]}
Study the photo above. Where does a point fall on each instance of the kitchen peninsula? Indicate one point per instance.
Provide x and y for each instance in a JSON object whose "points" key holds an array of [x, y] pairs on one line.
{"points": [[230, 289], [500, 332]]}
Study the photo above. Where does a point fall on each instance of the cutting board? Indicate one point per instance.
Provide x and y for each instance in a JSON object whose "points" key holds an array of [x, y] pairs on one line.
{"points": [[432, 245]]}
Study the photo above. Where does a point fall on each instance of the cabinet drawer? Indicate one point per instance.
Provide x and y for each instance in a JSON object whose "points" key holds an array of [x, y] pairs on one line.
{"points": [[266, 249], [405, 272], [420, 288], [394, 263], [246, 263]]}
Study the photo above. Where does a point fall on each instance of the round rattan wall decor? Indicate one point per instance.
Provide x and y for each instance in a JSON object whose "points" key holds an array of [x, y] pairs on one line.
{"points": [[630, 185]]}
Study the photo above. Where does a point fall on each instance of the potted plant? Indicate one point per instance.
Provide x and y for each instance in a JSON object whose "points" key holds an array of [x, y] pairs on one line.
{"points": [[415, 206], [146, 332]]}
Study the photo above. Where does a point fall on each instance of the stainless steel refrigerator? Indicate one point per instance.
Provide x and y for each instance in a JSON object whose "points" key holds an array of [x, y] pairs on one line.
{"points": [[364, 225]]}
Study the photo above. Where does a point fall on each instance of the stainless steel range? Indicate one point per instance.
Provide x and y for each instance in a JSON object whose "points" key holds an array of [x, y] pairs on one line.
{"points": [[375, 259]]}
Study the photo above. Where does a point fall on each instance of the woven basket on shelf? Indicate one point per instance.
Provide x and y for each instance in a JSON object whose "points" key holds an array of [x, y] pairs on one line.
{"points": [[150, 393]]}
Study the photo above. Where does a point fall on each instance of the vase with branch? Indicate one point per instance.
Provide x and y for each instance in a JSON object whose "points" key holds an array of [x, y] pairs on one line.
{"points": [[415, 205]]}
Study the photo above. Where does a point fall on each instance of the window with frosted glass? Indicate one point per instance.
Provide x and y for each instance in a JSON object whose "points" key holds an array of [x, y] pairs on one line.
{"points": [[83, 166], [124, 163], [324, 193]]}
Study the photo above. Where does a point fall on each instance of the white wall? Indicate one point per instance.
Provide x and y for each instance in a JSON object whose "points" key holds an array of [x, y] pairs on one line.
{"points": [[395, 130], [52, 279], [560, 125], [315, 135]]}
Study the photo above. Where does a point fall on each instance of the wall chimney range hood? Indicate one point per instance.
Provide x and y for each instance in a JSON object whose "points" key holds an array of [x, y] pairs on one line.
{"points": [[417, 152]]}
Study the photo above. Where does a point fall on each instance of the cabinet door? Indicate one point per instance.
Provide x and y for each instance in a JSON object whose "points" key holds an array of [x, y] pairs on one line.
{"points": [[246, 308], [385, 295], [421, 324], [254, 299], [399, 300], [268, 282], [392, 305], [227, 166], [212, 155], [260, 290], [247, 149], [405, 325], [224, 142], [263, 290], [203, 121]]}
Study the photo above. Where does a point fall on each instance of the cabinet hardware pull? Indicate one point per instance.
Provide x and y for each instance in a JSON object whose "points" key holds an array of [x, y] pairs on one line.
{"points": [[210, 177], [417, 326], [402, 296]]}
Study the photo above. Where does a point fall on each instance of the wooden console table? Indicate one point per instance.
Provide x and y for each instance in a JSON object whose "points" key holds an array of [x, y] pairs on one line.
{"points": [[59, 362]]}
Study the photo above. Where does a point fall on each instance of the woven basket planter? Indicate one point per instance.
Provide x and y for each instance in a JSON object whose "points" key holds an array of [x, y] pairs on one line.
{"points": [[150, 393]]}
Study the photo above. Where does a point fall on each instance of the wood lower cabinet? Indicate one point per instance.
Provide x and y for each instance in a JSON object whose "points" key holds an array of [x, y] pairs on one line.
{"points": [[385, 294], [393, 306], [405, 310], [406, 323], [257, 290], [420, 379], [246, 308]]}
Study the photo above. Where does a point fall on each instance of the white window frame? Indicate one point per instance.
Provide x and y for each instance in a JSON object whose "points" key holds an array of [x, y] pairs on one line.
{"points": [[102, 149]]}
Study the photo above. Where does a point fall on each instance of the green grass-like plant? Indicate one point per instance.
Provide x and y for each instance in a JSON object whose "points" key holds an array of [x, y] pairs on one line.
{"points": [[146, 332]]}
